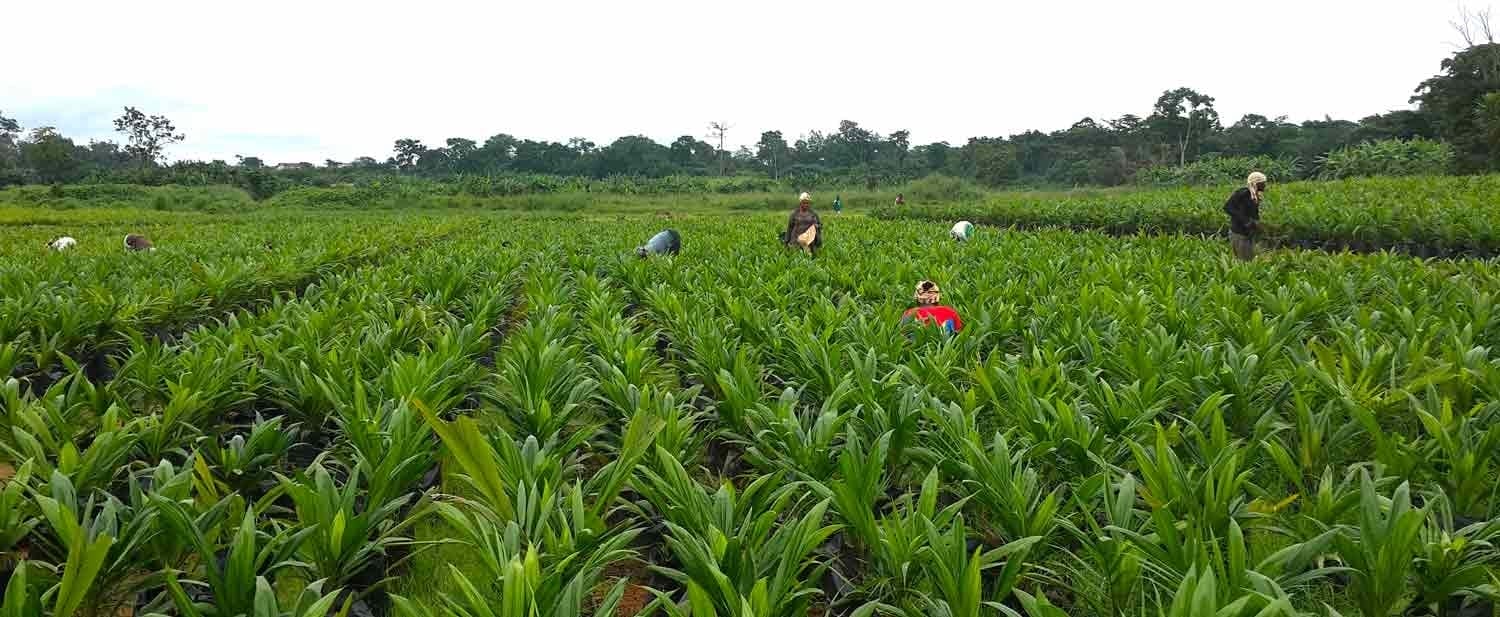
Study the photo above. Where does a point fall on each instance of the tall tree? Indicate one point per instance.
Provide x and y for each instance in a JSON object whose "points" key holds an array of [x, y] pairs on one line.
{"points": [[53, 157], [993, 160], [635, 155], [1452, 99], [9, 130], [857, 144], [147, 136], [1257, 135], [498, 151], [772, 152], [408, 152], [692, 155], [105, 155], [1184, 114], [936, 157], [463, 155], [900, 147]]}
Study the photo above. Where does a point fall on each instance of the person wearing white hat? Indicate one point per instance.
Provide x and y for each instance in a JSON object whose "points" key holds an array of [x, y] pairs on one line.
{"points": [[1243, 209], [962, 231], [804, 230], [62, 243], [136, 242], [668, 242]]}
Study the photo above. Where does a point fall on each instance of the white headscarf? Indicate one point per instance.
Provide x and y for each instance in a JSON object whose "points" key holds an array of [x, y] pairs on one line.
{"points": [[1253, 181], [927, 293], [804, 197]]}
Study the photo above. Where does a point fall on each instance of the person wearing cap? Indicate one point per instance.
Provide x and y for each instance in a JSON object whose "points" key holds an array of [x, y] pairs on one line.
{"points": [[667, 242], [962, 231], [929, 309], [804, 230], [1243, 209]]}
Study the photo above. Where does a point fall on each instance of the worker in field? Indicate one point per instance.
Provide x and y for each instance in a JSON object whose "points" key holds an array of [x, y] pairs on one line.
{"points": [[804, 230], [962, 231], [838, 204], [137, 242], [930, 310], [1243, 208], [667, 242], [900, 199]]}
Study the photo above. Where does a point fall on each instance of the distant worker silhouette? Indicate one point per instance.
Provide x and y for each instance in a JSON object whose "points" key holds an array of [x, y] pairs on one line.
{"points": [[804, 230], [962, 231], [1243, 208], [135, 242], [667, 242], [929, 309]]}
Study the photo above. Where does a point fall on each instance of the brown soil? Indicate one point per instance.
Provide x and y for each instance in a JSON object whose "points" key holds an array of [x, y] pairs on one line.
{"points": [[636, 598]]}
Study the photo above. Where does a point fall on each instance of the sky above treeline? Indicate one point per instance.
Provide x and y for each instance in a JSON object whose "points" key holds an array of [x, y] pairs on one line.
{"points": [[309, 81]]}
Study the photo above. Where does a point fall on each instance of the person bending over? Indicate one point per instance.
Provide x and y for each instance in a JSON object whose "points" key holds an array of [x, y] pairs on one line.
{"points": [[930, 310]]}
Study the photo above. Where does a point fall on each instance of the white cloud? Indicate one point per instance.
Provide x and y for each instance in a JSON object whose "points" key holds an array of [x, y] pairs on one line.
{"points": [[312, 80]]}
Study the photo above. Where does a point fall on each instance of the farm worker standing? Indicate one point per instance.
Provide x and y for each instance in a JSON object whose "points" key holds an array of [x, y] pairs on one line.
{"points": [[838, 204], [668, 242], [929, 311], [804, 229], [962, 231], [1243, 208]]}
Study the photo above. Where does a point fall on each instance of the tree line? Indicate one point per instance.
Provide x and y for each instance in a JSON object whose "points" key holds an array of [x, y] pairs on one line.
{"points": [[1460, 106]]}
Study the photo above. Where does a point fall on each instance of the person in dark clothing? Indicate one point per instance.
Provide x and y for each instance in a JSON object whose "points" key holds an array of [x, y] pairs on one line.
{"points": [[804, 230], [1243, 208], [667, 242], [134, 242]]}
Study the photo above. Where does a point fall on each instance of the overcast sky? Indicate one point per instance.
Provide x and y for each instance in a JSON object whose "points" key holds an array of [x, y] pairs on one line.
{"points": [[317, 79]]}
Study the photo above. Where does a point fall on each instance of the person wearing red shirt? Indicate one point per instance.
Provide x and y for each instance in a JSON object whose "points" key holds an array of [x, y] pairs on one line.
{"points": [[930, 311]]}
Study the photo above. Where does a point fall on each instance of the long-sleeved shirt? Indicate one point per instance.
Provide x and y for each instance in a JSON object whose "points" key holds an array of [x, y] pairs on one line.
{"points": [[799, 222], [667, 242], [937, 315], [1244, 212]]}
